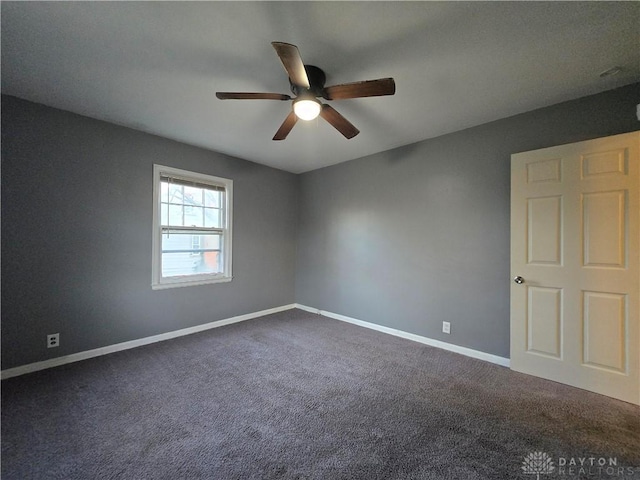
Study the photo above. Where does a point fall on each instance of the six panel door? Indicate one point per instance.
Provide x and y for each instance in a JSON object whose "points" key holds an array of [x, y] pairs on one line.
{"points": [[575, 234]]}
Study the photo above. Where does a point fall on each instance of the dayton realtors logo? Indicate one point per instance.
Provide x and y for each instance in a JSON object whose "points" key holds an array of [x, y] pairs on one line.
{"points": [[594, 466], [541, 463], [537, 463]]}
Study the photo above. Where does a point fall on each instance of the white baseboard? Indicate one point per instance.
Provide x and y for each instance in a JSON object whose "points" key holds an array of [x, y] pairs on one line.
{"points": [[469, 352], [308, 309], [76, 357]]}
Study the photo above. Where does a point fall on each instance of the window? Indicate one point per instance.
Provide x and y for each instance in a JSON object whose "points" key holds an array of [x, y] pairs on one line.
{"points": [[191, 228]]}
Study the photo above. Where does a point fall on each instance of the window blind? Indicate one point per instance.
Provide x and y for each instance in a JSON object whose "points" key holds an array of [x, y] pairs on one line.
{"points": [[190, 183]]}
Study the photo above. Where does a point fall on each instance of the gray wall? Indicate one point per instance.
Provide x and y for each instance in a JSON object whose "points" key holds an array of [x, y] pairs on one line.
{"points": [[405, 238], [76, 235], [418, 235]]}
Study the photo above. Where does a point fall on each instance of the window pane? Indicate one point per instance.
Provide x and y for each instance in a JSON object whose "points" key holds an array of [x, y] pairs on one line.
{"points": [[175, 215], [193, 196], [212, 218], [212, 199], [164, 214], [211, 242], [193, 216], [176, 264], [184, 253], [177, 240], [175, 193], [164, 192]]}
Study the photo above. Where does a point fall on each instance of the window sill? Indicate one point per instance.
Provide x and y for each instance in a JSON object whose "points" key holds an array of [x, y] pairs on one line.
{"points": [[164, 286]]}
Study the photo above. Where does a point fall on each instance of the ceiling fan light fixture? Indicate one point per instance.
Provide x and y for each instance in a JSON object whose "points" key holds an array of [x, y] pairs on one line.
{"points": [[306, 108]]}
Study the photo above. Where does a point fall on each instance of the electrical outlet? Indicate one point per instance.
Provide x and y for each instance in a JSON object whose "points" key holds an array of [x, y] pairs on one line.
{"points": [[53, 340], [446, 327]]}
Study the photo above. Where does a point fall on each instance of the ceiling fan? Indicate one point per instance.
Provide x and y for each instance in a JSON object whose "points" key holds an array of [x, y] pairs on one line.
{"points": [[307, 84]]}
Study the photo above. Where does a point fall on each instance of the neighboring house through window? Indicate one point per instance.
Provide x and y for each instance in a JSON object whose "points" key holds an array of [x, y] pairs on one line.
{"points": [[191, 228]]}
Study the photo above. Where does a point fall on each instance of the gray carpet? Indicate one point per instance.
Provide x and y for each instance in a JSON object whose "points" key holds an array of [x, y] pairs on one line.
{"points": [[299, 396]]}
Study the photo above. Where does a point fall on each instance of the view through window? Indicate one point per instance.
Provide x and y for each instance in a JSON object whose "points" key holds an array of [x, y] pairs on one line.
{"points": [[192, 223]]}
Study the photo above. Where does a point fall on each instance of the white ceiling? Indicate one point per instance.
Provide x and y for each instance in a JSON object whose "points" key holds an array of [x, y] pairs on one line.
{"points": [[155, 66]]}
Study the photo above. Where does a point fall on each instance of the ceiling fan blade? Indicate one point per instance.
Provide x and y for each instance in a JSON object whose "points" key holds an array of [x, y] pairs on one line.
{"points": [[286, 127], [368, 88], [251, 96], [340, 123], [292, 62]]}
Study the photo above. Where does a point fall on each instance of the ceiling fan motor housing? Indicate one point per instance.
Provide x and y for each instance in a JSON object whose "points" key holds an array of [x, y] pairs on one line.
{"points": [[316, 78]]}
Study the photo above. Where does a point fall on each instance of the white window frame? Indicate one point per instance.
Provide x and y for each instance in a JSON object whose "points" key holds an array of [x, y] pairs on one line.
{"points": [[157, 280]]}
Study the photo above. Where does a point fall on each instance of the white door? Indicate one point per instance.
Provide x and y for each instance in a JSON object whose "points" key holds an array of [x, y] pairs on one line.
{"points": [[575, 234]]}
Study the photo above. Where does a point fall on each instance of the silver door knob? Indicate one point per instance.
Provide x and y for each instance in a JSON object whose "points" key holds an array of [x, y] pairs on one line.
{"points": [[518, 280]]}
